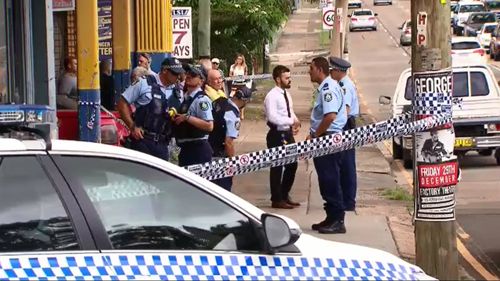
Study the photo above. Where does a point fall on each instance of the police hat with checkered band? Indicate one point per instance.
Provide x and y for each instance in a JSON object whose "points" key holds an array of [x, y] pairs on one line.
{"points": [[339, 64]]}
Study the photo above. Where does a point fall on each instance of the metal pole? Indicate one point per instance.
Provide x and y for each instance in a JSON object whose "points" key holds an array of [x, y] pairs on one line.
{"points": [[435, 229]]}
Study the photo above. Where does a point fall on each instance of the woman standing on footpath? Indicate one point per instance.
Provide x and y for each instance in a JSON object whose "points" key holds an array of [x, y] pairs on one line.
{"points": [[239, 68]]}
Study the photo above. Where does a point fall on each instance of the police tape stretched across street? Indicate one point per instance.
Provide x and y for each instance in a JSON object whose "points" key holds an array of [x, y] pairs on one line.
{"points": [[369, 134]]}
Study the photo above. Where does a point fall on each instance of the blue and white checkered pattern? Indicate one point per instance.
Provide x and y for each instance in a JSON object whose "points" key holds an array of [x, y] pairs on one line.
{"points": [[199, 267], [432, 104], [282, 155]]}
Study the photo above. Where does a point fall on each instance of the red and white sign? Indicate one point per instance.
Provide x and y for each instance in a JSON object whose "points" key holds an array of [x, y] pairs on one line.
{"points": [[244, 159], [438, 175], [337, 139], [63, 5], [422, 29], [328, 17], [182, 30]]}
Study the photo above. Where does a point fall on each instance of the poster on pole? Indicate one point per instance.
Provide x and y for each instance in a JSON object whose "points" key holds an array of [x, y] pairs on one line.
{"points": [[328, 17], [63, 5], [105, 29], [182, 32]]}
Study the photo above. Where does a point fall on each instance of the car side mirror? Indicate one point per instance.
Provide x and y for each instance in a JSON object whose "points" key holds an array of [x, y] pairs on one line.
{"points": [[279, 231], [384, 100]]}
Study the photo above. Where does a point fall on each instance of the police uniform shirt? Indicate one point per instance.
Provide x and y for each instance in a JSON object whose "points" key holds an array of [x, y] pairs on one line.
{"points": [[201, 107], [232, 122], [350, 96], [329, 99], [139, 93], [276, 109]]}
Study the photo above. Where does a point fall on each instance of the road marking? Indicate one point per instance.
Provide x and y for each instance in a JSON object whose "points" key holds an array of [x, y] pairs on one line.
{"points": [[494, 66], [474, 262]]}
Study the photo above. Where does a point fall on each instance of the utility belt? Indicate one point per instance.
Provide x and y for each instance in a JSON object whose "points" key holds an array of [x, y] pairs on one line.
{"points": [[219, 154], [350, 124], [326, 133], [274, 127], [180, 143], [156, 137]]}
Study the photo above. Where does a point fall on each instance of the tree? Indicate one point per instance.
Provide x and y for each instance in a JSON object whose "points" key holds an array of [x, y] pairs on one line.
{"points": [[241, 26]]}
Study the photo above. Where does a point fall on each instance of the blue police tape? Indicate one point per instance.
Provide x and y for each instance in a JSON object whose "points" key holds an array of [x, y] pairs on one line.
{"points": [[163, 266], [282, 155]]}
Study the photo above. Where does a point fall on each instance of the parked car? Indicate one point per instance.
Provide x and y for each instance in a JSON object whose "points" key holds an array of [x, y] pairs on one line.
{"points": [[493, 6], [88, 211], [467, 50], [453, 6], [476, 120], [484, 35], [405, 37], [462, 12], [476, 20], [354, 4], [376, 2], [363, 19], [495, 44]]}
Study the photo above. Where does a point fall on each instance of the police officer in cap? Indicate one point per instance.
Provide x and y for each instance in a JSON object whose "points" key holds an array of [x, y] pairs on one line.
{"points": [[348, 179], [155, 101], [227, 122], [194, 120], [328, 117]]}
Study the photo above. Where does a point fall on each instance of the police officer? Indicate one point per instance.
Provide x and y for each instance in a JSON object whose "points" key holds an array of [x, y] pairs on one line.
{"points": [[154, 100], [194, 120], [227, 122], [328, 117], [348, 178]]}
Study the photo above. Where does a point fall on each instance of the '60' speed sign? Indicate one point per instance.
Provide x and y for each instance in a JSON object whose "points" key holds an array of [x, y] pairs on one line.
{"points": [[328, 17]]}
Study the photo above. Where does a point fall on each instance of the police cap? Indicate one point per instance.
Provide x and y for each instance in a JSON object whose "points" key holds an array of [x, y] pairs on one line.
{"points": [[172, 64], [339, 64], [194, 71]]}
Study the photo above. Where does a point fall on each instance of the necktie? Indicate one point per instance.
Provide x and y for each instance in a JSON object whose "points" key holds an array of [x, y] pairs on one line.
{"points": [[287, 104]]}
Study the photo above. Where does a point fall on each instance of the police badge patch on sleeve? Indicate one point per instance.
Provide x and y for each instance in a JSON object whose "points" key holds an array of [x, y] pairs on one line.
{"points": [[204, 105], [237, 125], [328, 97]]}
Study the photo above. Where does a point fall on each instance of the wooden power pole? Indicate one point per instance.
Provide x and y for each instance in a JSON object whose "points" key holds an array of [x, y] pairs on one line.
{"points": [[435, 166], [337, 47]]}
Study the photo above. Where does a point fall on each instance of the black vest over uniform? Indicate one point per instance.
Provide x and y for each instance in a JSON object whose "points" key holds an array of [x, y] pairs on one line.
{"points": [[186, 130], [217, 137]]}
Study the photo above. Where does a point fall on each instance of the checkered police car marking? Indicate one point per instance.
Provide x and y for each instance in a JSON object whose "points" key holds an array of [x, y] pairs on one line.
{"points": [[278, 156], [116, 266]]}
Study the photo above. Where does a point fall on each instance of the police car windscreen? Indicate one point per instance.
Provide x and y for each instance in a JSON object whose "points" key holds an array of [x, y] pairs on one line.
{"points": [[465, 45]]}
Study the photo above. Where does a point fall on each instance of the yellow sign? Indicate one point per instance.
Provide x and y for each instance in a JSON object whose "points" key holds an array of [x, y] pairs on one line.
{"points": [[464, 142]]}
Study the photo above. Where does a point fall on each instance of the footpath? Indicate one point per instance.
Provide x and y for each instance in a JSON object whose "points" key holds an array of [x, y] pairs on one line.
{"points": [[378, 222]]}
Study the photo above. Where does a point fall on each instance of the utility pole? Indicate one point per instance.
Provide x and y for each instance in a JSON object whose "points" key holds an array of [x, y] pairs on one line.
{"points": [[435, 228], [204, 29], [337, 47]]}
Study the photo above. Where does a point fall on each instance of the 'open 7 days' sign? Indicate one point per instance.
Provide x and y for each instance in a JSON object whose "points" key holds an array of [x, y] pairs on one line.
{"points": [[182, 26]]}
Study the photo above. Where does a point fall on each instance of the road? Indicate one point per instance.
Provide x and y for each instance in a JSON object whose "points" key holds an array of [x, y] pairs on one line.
{"points": [[377, 62]]}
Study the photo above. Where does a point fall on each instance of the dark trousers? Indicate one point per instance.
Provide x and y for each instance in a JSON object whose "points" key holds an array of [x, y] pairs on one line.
{"points": [[226, 183], [151, 147], [281, 178], [328, 170], [348, 179], [194, 152]]}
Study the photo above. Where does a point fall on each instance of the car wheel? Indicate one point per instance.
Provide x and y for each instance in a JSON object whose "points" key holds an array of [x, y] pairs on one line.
{"points": [[486, 152], [497, 156], [374, 29], [397, 150]]}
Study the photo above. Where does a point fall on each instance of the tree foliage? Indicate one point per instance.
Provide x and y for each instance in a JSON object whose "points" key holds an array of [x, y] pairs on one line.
{"points": [[241, 26]]}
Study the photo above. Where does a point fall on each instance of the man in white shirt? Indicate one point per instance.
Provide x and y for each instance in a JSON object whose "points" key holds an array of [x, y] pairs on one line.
{"points": [[283, 125]]}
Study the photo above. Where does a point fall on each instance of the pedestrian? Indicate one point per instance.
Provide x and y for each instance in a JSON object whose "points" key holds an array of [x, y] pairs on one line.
{"points": [[239, 68], [138, 72], [282, 123], [144, 60], [214, 85], [227, 122], [348, 178], [107, 85], [194, 120], [328, 117], [67, 91], [154, 101]]}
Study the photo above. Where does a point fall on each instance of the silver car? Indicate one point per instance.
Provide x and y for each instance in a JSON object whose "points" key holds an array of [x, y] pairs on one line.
{"points": [[405, 38], [363, 19], [376, 2]]}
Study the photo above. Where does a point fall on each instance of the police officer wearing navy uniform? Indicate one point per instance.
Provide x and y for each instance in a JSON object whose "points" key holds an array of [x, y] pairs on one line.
{"points": [[194, 120], [348, 179], [328, 117], [155, 100], [227, 123]]}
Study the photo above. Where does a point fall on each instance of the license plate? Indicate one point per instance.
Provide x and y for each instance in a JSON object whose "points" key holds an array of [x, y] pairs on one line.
{"points": [[464, 142]]}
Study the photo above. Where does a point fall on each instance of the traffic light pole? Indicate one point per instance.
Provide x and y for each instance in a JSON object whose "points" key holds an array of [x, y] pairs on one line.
{"points": [[435, 167]]}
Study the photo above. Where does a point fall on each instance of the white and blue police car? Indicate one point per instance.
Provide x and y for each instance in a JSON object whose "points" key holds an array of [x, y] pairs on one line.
{"points": [[85, 211]]}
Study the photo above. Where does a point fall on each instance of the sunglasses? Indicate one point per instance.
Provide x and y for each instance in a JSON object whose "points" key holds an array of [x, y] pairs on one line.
{"points": [[215, 63]]}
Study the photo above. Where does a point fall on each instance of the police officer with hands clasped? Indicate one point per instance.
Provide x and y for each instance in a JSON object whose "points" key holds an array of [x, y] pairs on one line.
{"points": [[328, 117], [156, 101], [348, 178], [194, 120]]}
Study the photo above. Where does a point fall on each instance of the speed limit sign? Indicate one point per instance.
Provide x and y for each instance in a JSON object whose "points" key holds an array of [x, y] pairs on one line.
{"points": [[328, 17]]}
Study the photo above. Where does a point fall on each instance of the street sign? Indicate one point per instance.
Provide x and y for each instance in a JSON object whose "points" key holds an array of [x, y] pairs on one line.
{"points": [[63, 5], [105, 29], [422, 29], [328, 17], [324, 3], [182, 32]]}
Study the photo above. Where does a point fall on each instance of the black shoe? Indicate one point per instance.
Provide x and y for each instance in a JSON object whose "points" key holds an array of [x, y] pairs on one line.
{"points": [[319, 225], [332, 228]]}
